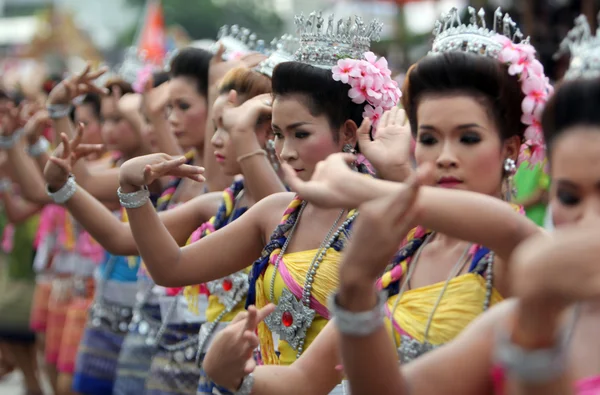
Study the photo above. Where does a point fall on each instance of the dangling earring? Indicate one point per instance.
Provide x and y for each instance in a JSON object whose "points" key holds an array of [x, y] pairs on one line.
{"points": [[349, 149], [509, 189]]}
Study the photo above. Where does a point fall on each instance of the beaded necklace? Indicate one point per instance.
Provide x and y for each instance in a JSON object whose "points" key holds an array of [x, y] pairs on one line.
{"points": [[292, 318], [409, 348]]}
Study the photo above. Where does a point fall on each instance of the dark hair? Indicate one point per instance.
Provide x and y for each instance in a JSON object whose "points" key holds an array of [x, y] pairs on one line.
{"points": [[192, 63], [575, 103], [245, 82], [123, 85], [481, 77], [322, 94], [94, 101], [159, 78]]}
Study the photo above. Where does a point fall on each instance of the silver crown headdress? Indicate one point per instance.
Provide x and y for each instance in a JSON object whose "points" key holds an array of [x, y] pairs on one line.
{"points": [[281, 50], [584, 48], [133, 62], [450, 34], [237, 39], [323, 45]]}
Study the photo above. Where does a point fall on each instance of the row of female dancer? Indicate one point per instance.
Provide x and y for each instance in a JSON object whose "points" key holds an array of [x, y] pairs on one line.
{"points": [[371, 276]]}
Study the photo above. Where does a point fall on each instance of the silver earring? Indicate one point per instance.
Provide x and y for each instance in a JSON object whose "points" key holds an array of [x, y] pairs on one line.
{"points": [[510, 167], [508, 186], [349, 149]]}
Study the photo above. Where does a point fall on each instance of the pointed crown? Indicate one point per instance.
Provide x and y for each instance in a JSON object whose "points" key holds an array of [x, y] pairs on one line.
{"points": [[450, 34], [281, 50], [237, 40], [133, 62], [323, 45], [584, 48]]}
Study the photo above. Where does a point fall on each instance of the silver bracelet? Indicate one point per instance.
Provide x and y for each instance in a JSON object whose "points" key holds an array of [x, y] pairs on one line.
{"points": [[530, 366], [40, 147], [358, 324], [57, 111], [5, 185], [134, 199], [65, 193], [245, 388], [7, 142], [247, 385]]}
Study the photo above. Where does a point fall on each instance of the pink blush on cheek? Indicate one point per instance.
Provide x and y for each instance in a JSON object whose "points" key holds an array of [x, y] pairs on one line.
{"points": [[316, 148]]}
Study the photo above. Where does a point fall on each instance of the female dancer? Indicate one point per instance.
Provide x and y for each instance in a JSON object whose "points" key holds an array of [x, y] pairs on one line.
{"points": [[465, 126], [246, 83], [312, 117], [17, 342], [137, 352], [545, 342]]}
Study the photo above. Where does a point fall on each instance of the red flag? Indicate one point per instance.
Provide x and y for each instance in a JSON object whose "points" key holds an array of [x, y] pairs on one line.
{"points": [[152, 45]]}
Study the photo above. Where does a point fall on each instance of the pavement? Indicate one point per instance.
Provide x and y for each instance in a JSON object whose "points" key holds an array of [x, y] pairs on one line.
{"points": [[13, 385]]}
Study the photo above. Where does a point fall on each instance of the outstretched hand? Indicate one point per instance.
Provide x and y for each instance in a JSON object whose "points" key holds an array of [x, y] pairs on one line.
{"points": [[381, 226], [35, 126], [332, 185], [230, 356], [144, 170], [63, 159], [389, 151], [76, 85], [11, 119]]}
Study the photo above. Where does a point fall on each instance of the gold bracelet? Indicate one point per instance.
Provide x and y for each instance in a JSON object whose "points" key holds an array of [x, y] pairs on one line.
{"points": [[251, 154]]}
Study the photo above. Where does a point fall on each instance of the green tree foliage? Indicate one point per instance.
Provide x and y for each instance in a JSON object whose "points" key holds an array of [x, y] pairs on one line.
{"points": [[203, 18]]}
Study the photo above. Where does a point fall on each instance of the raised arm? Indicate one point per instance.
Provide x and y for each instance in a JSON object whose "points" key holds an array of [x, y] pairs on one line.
{"points": [[465, 215], [18, 210], [249, 126], [208, 259], [563, 270], [115, 236], [24, 169], [154, 104]]}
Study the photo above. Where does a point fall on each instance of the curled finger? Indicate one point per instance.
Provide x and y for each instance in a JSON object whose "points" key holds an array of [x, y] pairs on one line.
{"points": [[95, 74], [63, 164], [82, 75], [84, 150], [66, 154]]}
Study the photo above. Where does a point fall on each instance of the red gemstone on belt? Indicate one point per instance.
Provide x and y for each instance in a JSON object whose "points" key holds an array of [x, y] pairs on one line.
{"points": [[287, 319], [227, 285]]}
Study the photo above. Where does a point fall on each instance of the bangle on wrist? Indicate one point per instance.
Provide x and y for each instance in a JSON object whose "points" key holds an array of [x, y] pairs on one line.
{"points": [[134, 199], [358, 324], [5, 185], [245, 387], [536, 366], [65, 193], [7, 142], [38, 148], [251, 154], [57, 111]]}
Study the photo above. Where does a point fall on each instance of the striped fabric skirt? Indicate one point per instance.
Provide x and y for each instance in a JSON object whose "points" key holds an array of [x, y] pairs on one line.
{"points": [[38, 318], [58, 304], [174, 368], [96, 365], [137, 352]]}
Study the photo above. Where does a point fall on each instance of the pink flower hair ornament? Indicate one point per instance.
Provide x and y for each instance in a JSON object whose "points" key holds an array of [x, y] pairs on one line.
{"points": [[536, 87], [143, 75], [370, 82]]}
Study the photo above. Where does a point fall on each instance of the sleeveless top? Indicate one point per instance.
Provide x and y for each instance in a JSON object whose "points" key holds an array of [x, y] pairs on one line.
{"points": [[290, 276], [225, 296], [458, 302]]}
